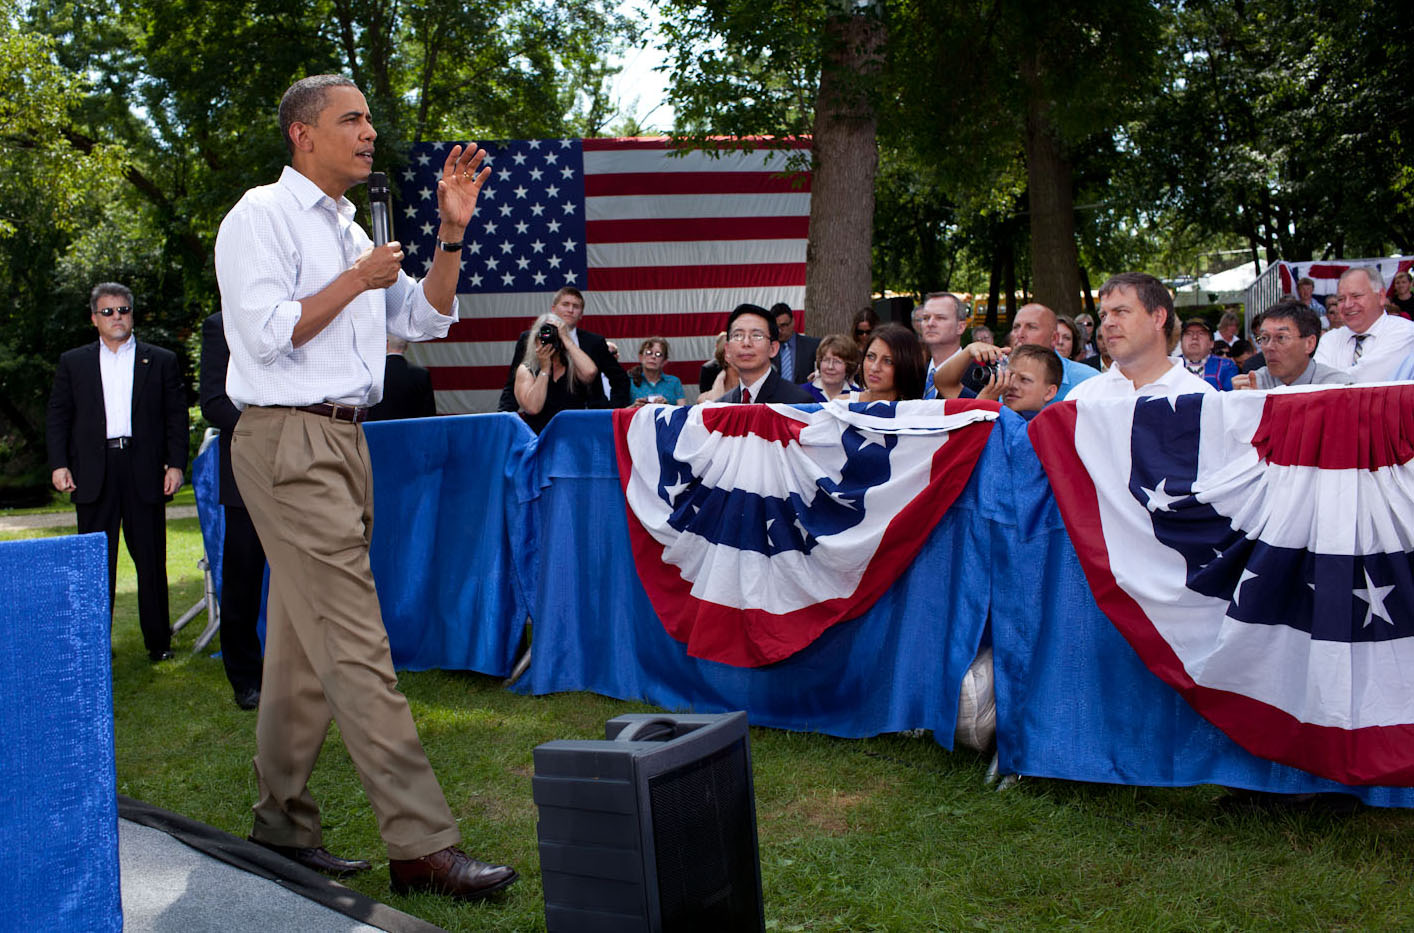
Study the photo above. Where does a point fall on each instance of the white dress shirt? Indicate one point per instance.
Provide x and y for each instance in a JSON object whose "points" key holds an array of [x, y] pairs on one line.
{"points": [[756, 387], [115, 367], [1114, 384], [287, 241], [1390, 339]]}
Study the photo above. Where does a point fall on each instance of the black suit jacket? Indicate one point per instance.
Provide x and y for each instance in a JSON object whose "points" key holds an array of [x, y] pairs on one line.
{"points": [[597, 349], [804, 362], [78, 426], [407, 391], [216, 406], [774, 389]]}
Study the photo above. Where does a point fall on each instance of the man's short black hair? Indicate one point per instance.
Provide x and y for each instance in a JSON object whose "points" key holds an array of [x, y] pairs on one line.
{"points": [[1300, 314], [759, 311], [1152, 294], [305, 100], [780, 308], [105, 289]]}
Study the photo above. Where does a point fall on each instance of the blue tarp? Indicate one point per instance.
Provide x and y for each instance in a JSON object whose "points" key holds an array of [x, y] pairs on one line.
{"points": [[59, 809], [479, 523]]}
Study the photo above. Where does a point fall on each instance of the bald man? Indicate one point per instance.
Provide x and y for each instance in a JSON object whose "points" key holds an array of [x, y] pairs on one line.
{"points": [[1036, 324]]}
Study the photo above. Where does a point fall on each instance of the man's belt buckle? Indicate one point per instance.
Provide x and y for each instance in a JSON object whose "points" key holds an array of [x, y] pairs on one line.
{"points": [[339, 412]]}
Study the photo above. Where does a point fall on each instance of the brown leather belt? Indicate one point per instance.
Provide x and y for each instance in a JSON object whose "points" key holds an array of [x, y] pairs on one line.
{"points": [[334, 412]]}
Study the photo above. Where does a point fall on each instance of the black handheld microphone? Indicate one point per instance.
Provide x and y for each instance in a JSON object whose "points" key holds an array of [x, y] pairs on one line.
{"points": [[380, 204]]}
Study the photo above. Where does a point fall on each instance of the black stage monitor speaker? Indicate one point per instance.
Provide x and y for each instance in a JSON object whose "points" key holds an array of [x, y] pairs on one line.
{"points": [[652, 830]]}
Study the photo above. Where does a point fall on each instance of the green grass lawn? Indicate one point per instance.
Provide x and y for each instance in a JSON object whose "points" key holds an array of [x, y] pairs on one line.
{"points": [[891, 833]]}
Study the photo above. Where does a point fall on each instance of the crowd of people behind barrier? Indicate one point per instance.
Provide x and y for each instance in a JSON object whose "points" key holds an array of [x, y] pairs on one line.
{"points": [[1363, 333]]}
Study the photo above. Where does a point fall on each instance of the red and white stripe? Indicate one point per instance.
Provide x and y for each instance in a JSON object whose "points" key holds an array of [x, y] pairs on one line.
{"points": [[674, 242]]}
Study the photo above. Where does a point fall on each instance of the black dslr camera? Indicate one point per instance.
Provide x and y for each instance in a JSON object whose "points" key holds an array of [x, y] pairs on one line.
{"points": [[549, 336]]}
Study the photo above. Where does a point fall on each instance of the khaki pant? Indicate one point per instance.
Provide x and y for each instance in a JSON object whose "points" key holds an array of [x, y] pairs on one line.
{"points": [[308, 485]]}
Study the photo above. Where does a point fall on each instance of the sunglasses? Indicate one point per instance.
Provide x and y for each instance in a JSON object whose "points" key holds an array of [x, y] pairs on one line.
{"points": [[862, 331], [120, 309]]}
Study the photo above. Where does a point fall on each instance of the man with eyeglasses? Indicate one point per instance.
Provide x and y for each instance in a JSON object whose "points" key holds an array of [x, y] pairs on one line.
{"points": [[753, 340], [1288, 332], [1371, 344], [797, 356], [117, 438]]}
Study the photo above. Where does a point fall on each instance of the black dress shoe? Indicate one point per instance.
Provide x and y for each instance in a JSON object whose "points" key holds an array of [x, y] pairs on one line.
{"points": [[155, 656], [317, 858], [450, 871], [249, 698]]}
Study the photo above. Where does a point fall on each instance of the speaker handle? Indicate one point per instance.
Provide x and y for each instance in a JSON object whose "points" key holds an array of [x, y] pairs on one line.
{"points": [[631, 731]]}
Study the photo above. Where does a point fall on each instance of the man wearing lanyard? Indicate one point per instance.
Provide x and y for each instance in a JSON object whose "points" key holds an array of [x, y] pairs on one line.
{"points": [[308, 302]]}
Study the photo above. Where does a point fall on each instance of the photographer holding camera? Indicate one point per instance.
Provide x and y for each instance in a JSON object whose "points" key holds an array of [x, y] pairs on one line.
{"points": [[550, 377]]}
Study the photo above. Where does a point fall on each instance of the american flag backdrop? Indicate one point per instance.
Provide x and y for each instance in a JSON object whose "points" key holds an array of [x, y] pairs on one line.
{"points": [[660, 244], [1326, 274]]}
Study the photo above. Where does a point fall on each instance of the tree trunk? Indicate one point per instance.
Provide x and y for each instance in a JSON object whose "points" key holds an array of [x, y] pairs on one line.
{"points": [[1055, 261], [839, 257], [994, 283], [1009, 282]]}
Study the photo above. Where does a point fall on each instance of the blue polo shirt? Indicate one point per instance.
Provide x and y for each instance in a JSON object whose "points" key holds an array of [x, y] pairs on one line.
{"points": [[1074, 374]]}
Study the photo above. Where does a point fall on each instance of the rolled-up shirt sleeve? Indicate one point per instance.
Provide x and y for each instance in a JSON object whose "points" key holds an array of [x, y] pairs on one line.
{"points": [[411, 316]]}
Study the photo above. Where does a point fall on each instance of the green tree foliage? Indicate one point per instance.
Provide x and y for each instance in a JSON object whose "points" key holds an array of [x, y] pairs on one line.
{"points": [[48, 194], [126, 175], [1287, 123]]}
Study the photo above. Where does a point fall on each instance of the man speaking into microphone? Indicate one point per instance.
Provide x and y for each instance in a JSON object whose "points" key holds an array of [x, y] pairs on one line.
{"points": [[308, 302]]}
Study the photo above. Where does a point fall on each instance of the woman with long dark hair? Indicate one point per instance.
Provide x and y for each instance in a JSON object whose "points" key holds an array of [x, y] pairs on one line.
{"points": [[893, 365]]}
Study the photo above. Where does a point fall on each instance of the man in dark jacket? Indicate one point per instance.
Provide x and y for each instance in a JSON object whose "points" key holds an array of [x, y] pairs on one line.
{"points": [[117, 439], [568, 304], [753, 340], [407, 387], [242, 557]]}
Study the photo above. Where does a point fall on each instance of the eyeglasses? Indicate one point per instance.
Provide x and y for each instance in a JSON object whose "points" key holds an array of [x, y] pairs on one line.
{"points": [[655, 354], [1279, 340], [741, 336], [120, 309], [863, 331]]}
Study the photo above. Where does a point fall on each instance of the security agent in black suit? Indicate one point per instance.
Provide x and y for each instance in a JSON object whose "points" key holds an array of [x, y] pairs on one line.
{"points": [[752, 343], [801, 348], [120, 466], [568, 304], [407, 388], [242, 557]]}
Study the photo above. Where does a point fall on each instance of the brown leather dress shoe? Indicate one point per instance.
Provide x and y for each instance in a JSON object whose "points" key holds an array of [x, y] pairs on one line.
{"points": [[450, 871], [317, 858]]}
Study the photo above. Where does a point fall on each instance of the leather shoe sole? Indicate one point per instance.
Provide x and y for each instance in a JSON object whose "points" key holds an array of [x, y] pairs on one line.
{"points": [[317, 858], [452, 872]]}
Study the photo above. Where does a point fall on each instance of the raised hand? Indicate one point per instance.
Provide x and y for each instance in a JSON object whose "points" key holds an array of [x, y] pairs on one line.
{"points": [[460, 185]]}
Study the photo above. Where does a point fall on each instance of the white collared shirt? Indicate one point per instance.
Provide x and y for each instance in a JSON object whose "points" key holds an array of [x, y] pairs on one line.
{"points": [[287, 241], [755, 387], [1390, 339], [1113, 383], [115, 367]]}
